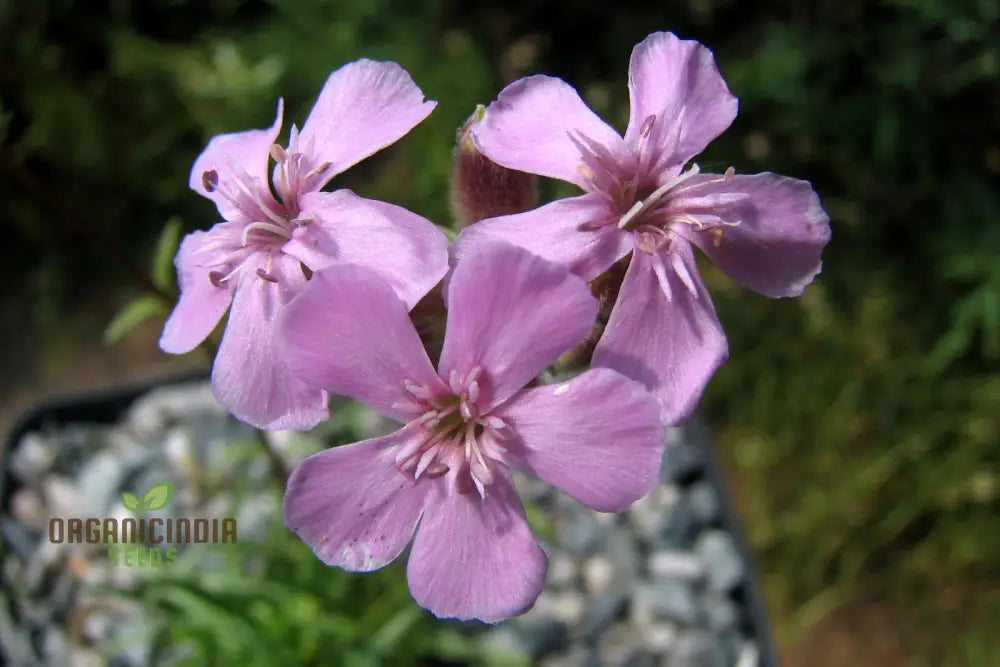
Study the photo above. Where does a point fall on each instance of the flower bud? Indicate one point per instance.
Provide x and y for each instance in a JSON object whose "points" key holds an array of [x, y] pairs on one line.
{"points": [[483, 189]]}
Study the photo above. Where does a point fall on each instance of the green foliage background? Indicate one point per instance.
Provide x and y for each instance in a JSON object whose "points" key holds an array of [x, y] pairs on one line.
{"points": [[860, 421]]}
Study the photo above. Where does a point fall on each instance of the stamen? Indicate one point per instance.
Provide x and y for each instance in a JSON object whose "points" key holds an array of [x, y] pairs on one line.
{"points": [[316, 171], [728, 177], [436, 470], [216, 278], [473, 391], [682, 272], [267, 227], [644, 204], [278, 153], [425, 460], [210, 180], [661, 277], [264, 275], [496, 422], [418, 391], [453, 381], [646, 126], [409, 449], [717, 237]]}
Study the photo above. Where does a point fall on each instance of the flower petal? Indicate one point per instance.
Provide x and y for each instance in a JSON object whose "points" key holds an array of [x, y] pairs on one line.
{"points": [[475, 558], [404, 248], [551, 232], [352, 506], [535, 126], [201, 304], [250, 376], [364, 106], [239, 160], [597, 437], [513, 313], [775, 249], [672, 346], [350, 334], [676, 82]]}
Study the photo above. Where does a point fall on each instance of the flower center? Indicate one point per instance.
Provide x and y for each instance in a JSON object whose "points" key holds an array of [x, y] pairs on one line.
{"points": [[457, 436], [650, 213]]}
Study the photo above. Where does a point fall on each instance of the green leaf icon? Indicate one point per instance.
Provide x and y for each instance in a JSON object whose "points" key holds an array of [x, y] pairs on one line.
{"points": [[157, 496], [130, 501]]}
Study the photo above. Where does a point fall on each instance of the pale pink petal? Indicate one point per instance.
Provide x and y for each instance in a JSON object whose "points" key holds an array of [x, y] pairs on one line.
{"points": [[475, 558], [250, 376], [551, 232], [202, 303], [671, 346], [364, 106], [597, 437], [404, 248], [239, 161], [351, 504], [775, 249], [677, 84], [350, 334], [539, 124], [512, 313]]}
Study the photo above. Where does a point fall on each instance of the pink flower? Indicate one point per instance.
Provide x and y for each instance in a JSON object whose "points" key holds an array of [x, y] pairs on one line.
{"points": [[766, 231], [265, 251], [511, 314]]}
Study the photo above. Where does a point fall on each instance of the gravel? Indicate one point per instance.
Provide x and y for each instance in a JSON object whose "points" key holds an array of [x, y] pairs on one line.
{"points": [[662, 584]]}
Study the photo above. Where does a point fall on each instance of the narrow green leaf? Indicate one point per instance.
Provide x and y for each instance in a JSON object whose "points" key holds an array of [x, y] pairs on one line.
{"points": [[158, 496], [130, 501], [132, 315], [162, 271]]}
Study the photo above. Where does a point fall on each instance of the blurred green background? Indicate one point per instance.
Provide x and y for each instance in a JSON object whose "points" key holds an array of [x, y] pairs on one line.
{"points": [[860, 423]]}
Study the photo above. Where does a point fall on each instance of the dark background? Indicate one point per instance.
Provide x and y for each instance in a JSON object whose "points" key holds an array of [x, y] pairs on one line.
{"points": [[859, 423]]}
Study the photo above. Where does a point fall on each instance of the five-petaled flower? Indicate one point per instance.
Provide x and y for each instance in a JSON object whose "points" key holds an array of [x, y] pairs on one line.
{"points": [[268, 247], [766, 231], [596, 437]]}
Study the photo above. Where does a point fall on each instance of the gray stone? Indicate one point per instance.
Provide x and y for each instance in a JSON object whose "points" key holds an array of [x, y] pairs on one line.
{"points": [[599, 574], [724, 565], [99, 483], [660, 636], [673, 600], [676, 527], [541, 636], [32, 457], [581, 536], [601, 612], [563, 571], [704, 502], [696, 648], [749, 655], [674, 564], [720, 611], [682, 461]]}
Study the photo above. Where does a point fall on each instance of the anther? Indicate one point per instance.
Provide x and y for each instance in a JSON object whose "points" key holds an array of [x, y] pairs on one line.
{"points": [[278, 153], [727, 178], [264, 275], [646, 126], [216, 278], [210, 180]]}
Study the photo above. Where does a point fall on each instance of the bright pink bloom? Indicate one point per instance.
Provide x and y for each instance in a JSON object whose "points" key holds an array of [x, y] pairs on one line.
{"points": [[262, 255], [765, 231], [511, 314]]}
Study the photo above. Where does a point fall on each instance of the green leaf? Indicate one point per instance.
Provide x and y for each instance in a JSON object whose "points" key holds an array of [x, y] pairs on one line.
{"points": [[158, 496], [162, 271], [132, 315], [130, 501]]}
